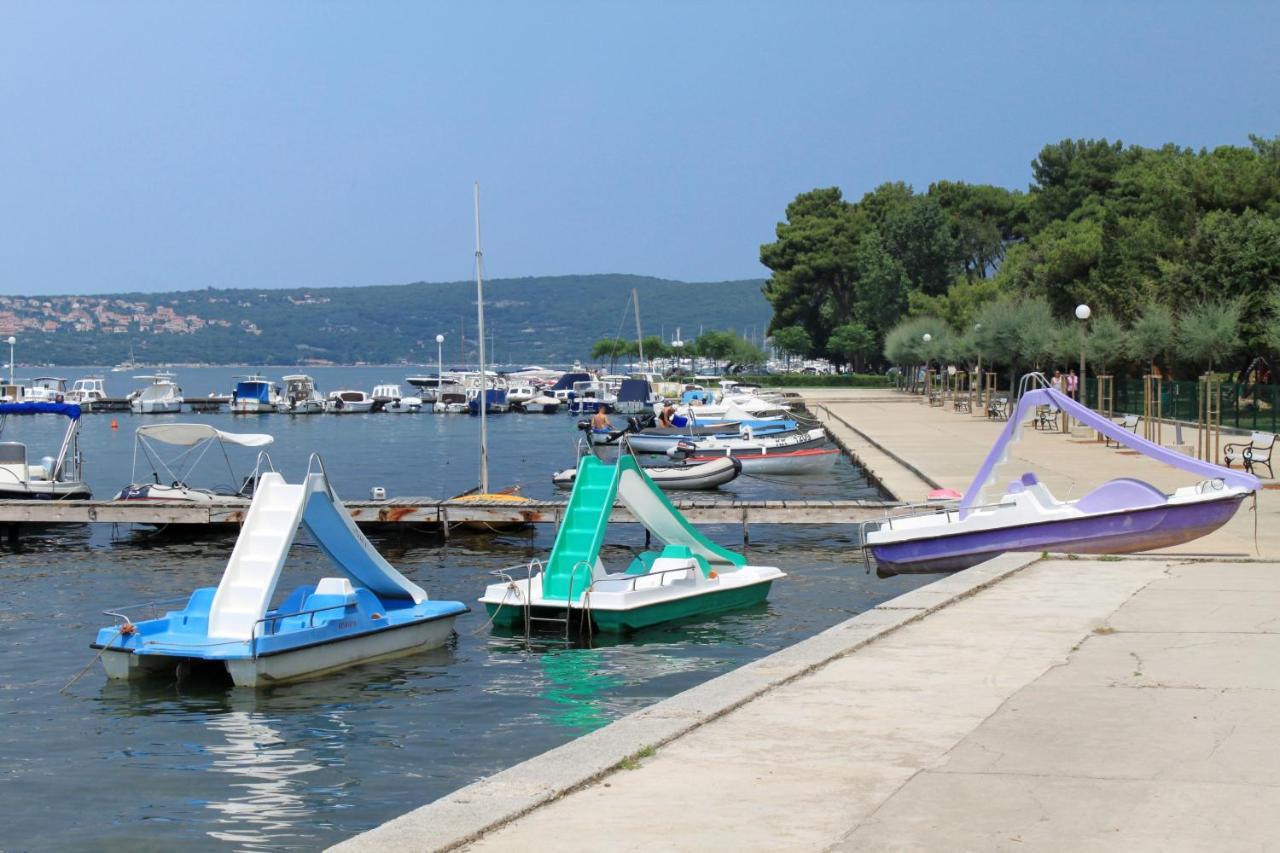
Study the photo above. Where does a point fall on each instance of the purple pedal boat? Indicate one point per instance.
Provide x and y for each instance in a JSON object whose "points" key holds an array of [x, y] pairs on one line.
{"points": [[1122, 516]]}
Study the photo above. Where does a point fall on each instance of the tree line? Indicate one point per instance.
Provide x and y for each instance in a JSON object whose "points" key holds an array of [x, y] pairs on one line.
{"points": [[720, 347], [1176, 251]]}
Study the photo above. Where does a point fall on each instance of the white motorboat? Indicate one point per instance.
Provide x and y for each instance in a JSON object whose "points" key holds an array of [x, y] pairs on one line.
{"points": [[542, 405], [87, 391], [700, 476], [300, 396], [162, 396], [346, 402], [518, 395], [586, 398], [390, 399], [53, 478], [255, 395], [46, 389], [169, 477], [452, 400]]}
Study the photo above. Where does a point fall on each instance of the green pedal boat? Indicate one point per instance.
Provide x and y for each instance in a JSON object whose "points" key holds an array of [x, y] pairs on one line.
{"points": [[689, 576]]}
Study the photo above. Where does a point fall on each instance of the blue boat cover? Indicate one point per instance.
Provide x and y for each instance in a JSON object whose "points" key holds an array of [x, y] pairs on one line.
{"points": [[565, 382], [634, 391], [253, 389], [71, 410]]}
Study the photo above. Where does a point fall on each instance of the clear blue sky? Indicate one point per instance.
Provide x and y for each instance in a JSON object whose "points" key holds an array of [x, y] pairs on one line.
{"points": [[261, 144]]}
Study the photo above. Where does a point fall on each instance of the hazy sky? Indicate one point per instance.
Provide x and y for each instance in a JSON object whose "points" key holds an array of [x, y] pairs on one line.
{"points": [[262, 144]]}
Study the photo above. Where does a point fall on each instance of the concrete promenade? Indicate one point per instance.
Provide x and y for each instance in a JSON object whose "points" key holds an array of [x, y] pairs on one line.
{"points": [[1024, 704]]}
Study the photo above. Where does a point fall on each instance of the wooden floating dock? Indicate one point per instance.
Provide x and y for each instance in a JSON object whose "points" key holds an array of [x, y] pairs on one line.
{"points": [[442, 513]]}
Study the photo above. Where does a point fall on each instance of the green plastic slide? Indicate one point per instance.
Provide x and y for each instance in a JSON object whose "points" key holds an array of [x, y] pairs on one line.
{"points": [[598, 484]]}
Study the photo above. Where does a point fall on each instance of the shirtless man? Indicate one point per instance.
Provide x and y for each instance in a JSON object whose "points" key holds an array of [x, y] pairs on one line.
{"points": [[601, 421]]}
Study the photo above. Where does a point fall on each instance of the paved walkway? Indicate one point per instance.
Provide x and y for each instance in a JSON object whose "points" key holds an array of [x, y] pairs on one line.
{"points": [[884, 430], [1127, 705]]}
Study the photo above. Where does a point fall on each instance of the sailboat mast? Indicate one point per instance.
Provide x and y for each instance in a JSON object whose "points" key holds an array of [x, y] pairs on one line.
{"points": [[635, 299], [484, 391]]}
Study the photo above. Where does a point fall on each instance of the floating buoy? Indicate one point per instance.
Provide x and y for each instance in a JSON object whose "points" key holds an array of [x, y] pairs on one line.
{"points": [[114, 424]]}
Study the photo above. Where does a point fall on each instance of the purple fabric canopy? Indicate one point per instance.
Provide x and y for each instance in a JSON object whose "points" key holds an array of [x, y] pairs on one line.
{"points": [[1087, 416]]}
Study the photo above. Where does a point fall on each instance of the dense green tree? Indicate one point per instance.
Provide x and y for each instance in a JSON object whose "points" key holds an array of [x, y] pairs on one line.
{"points": [[1152, 334], [717, 345], [852, 343], [1210, 331], [918, 236], [1108, 343], [793, 341]]}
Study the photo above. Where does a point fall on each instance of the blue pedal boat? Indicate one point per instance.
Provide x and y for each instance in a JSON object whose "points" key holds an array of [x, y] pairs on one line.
{"points": [[372, 613]]}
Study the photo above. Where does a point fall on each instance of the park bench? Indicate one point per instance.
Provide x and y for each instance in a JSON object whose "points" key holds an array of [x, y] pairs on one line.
{"points": [[1129, 422], [1046, 417], [960, 404], [1256, 451], [998, 409]]}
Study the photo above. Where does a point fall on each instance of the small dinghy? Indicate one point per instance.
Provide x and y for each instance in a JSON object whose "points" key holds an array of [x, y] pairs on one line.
{"points": [[690, 576], [372, 613], [170, 476], [686, 477], [1122, 516]]}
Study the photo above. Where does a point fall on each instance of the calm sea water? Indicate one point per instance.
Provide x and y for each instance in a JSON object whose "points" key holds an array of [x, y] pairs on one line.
{"points": [[156, 767]]}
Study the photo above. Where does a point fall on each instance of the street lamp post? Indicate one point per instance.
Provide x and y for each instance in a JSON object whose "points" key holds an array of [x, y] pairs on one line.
{"points": [[1083, 313], [12, 341], [926, 338], [439, 366]]}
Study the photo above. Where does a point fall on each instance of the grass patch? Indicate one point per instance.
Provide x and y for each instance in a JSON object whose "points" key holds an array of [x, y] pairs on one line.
{"points": [[1104, 629], [632, 762], [1108, 558]]}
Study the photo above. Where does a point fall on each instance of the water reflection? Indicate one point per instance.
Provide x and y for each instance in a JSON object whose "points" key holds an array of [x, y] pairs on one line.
{"points": [[267, 808]]}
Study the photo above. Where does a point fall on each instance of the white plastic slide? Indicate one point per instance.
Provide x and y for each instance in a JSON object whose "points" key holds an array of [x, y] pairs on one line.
{"points": [[263, 546], [329, 523], [652, 509], [256, 561]]}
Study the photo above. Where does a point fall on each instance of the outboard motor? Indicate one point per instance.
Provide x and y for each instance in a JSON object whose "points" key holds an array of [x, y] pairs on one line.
{"points": [[585, 426]]}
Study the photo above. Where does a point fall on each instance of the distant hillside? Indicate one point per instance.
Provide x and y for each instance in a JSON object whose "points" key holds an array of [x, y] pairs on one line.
{"points": [[546, 319]]}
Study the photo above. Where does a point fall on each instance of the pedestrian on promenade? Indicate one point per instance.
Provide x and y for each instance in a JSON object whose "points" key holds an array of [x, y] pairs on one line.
{"points": [[1056, 381], [1073, 383]]}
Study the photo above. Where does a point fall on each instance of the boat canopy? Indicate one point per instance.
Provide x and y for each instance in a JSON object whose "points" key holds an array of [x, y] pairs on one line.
{"points": [[189, 435], [1050, 397], [568, 380], [71, 410], [634, 391]]}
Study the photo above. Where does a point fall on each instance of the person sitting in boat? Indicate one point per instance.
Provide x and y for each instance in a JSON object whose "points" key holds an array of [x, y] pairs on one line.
{"points": [[667, 413], [600, 420]]}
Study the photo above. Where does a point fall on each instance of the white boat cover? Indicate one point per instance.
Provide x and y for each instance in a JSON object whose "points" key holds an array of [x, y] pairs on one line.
{"points": [[189, 435]]}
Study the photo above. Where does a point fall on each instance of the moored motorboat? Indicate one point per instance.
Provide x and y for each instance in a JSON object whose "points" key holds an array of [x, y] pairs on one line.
{"points": [[690, 576], [389, 398], [255, 395], [1121, 516], [300, 396], [372, 613], [541, 405], [57, 478], [162, 396], [347, 402], [785, 462], [700, 476]]}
